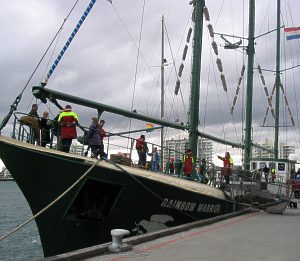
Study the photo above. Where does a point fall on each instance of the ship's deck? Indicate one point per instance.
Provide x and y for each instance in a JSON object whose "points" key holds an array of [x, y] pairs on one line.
{"points": [[176, 182]]}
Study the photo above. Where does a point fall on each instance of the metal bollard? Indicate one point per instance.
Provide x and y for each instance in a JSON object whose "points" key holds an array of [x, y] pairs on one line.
{"points": [[117, 244]]}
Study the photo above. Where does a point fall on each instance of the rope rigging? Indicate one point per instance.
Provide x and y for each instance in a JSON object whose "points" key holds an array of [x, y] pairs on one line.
{"points": [[270, 98], [133, 41], [136, 67], [237, 89], [172, 107], [215, 48], [179, 74], [220, 69], [16, 102], [173, 59], [287, 109], [233, 46], [75, 30], [140, 56], [294, 56], [175, 69]]}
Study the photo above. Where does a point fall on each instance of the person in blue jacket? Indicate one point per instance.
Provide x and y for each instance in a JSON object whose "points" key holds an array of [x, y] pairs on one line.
{"points": [[94, 140], [155, 158]]}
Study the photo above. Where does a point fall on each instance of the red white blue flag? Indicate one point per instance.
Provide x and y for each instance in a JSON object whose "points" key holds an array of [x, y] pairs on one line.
{"points": [[292, 33]]}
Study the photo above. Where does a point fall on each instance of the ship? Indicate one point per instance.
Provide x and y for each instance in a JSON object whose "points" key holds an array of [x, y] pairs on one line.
{"points": [[83, 199]]}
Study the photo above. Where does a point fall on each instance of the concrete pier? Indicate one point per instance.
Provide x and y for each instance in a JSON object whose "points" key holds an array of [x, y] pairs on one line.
{"points": [[253, 236]]}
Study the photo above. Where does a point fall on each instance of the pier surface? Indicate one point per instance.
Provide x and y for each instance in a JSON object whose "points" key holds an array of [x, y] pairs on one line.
{"points": [[253, 236]]}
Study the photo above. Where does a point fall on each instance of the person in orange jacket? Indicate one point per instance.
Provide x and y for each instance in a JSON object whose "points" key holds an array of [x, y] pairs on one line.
{"points": [[67, 121], [188, 163], [227, 166]]}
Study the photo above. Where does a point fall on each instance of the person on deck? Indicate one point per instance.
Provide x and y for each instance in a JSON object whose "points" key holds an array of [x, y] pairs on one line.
{"points": [[102, 134], [226, 171], [34, 111], [202, 172], [155, 158], [273, 174], [68, 121], [94, 138], [266, 171], [56, 131], [45, 129], [142, 149], [188, 163], [33, 120], [171, 166]]}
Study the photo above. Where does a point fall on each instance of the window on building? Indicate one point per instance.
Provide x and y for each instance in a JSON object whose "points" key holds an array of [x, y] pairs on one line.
{"points": [[281, 167], [272, 165]]}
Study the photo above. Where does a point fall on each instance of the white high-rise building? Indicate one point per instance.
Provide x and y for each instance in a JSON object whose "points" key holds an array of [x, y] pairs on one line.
{"points": [[284, 150], [205, 149], [177, 148]]}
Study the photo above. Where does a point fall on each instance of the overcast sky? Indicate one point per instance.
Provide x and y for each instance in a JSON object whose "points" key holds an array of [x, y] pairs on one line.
{"points": [[102, 62]]}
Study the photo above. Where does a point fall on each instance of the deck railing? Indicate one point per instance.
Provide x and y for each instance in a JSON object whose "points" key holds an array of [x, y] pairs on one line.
{"points": [[240, 180]]}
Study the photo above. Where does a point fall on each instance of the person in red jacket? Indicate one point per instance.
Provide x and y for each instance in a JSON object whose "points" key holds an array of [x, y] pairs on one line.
{"points": [[142, 150], [226, 171], [67, 121], [189, 163]]}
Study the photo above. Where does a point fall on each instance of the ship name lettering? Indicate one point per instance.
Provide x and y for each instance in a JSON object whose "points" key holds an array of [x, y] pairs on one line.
{"points": [[177, 204], [209, 208], [190, 206]]}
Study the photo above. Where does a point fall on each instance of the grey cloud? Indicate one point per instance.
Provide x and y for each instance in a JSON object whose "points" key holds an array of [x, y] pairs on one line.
{"points": [[100, 63]]}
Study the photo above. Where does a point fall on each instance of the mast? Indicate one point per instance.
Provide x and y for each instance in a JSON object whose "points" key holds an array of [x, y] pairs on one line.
{"points": [[250, 52], [195, 85], [277, 83], [162, 82]]}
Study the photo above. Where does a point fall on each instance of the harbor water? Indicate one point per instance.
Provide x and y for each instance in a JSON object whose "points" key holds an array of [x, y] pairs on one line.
{"points": [[24, 244]]}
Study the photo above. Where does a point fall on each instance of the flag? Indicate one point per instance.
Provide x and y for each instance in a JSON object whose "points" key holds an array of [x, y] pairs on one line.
{"points": [[149, 126], [292, 33]]}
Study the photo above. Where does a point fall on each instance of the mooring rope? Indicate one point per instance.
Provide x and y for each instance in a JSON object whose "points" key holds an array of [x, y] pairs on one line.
{"points": [[82, 177], [49, 205]]}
